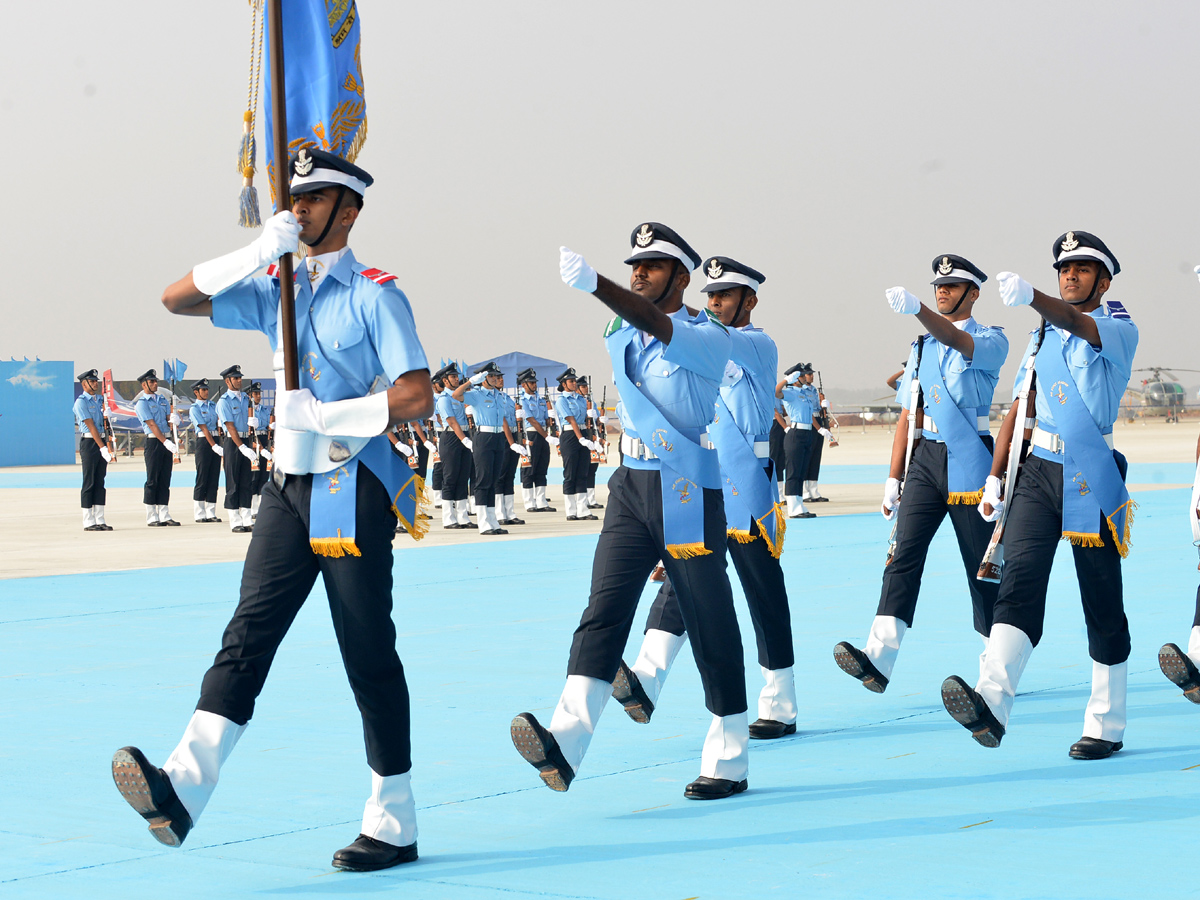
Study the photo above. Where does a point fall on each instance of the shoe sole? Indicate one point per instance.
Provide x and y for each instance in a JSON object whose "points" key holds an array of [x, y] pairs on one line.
{"points": [[131, 782], [850, 665], [623, 694], [961, 707], [739, 788], [1172, 663], [530, 746]]}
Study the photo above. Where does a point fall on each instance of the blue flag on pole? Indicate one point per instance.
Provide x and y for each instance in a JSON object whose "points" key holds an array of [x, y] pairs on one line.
{"points": [[180, 368], [168, 372], [322, 57]]}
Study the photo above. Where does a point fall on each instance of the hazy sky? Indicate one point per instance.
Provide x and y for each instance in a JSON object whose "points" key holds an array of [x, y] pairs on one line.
{"points": [[837, 147]]}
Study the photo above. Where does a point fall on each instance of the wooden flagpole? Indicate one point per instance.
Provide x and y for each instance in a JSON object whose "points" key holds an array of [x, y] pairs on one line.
{"points": [[283, 198]]}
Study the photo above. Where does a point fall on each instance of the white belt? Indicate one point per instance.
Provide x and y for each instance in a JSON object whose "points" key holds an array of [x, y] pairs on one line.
{"points": [[801, 425], [762, 449], [981, 424], [1054, 442], [490, 429], [639, 449]]}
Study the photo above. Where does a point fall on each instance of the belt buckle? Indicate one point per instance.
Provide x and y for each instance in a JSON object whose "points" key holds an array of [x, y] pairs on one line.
{"points": [[1056, 445]]}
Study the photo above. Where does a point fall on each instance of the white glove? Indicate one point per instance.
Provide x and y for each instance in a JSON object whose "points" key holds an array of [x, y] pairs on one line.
{"points": [[171, 446], [825, 433], [604, 420], [825, 404], [431, 446], [592, 414], [174, 419], [403, 448], [902, 301], [478, 377], [293, 451], [991, 496], [575, 270], [517, 449], [280, 235], [359, 417], [218, 449], [552, 441], [591, 445], [105, 455], [891, 498], [247, 452], [466, 442], [1014, 290], [266, 454], [1197, 271], [794, 377], [524, 449], [252, 422]]}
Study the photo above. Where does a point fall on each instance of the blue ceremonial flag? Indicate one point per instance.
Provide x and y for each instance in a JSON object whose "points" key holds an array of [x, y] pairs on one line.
{"points": [[168, 372], [180, 368], [326, 108]]}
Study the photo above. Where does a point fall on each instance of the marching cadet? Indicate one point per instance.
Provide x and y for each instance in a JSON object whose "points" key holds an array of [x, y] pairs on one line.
{"points": [[811, 493], [665, 503], [329, 510], [505, 484], [533, 413], [454, 447], [576, 449], [779, 426], [233, 413], [957, 366], [435, 478], [802, 434], [260, 423], [1178, 666], [592, 431], [741, 434], [93, 451], [154, 412], [209, 451], [1071, 486], [492, 437]]}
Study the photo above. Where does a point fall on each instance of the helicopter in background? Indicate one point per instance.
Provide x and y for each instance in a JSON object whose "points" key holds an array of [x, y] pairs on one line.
{"points": [[1161, 393]]}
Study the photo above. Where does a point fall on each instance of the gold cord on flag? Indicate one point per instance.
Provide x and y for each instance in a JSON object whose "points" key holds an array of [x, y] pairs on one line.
{"points": [[248, 216]]}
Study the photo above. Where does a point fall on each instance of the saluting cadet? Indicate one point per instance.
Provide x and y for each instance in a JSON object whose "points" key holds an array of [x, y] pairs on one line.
{"points": [[957, 365], [533, 413], [802, 434], [260, 437], [203, 415], [435, 478], [592, 433], [754, 517], [1072, 486], [811, 493], [505, 489], [665, 503], [94, 454], [454, 447], [778, 452], [329, 510], [154, 412], [491, 440], [233, 412], [576, 449]]}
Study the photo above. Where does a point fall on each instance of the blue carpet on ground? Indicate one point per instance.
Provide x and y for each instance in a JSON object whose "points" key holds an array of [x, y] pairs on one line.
{"points": [[877, 796]]}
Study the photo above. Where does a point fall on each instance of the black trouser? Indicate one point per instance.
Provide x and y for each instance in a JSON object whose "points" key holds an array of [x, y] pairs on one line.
{"points": [[422, 459], [921, 512], [813, 472], [239, 476], [488, 454], [1196, 617], [534, 474], [630, 545], [775, 441], [798, 443], [576, 458], [208, 471], [260, 474], [435, 483], [456, 466], [94, 471], [159, 463], [508, 471], [278, 575], [1031, 536]]}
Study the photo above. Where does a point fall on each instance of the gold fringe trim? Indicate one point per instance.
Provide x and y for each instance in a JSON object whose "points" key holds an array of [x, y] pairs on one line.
{"points": [[775, 547], [741, 536], [971, 497], [1123, 539], [687, 551], [335, 547], [1083, 539], [420, 528], [356, 143]]}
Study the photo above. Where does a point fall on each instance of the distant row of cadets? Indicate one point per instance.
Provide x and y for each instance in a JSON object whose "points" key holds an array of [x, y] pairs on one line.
{"points": [[237, 429]]}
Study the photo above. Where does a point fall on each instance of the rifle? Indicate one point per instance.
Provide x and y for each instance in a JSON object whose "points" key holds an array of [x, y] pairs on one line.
{"points": [[551, 420], [828, 419], [174, 427], [916, 417], [992, 563]]}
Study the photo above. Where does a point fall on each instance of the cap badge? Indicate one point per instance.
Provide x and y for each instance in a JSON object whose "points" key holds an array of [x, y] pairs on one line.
{"points": [[946, 266], [645, 236], [304, 162], [714, 269], [1069, 243]]}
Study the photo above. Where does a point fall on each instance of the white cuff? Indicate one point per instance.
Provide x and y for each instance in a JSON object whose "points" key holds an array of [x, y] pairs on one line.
{"points": [[359, 417], [214, 276]]}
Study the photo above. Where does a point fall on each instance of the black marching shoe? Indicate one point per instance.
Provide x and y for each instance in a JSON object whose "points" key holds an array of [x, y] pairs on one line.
{"points": [[492, 531], [104, 526], [858, 665], [705, 788], [1180, 671], [171, 522], [595, 506], [804, 515], [148, 790], [769, 729], [514, 522], [544, 509], [538, 747], [971, 711], [628, 691], [369, 855], [93, 528], [467, 525], [1094, 748], [239, 529]]}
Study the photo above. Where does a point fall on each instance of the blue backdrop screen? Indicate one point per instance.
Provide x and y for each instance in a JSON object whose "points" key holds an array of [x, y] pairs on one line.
{"points": [[37, 427]]}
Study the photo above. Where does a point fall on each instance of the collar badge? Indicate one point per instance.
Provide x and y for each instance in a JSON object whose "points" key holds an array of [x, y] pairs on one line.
{"points": [[304, 162], [714, 269], [1069, 243], [645, 236], [946, 266]]}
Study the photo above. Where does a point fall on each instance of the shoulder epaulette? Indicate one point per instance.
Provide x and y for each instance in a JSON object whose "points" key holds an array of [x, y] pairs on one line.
{"points": [[1117, 310], [377, 275], [714, 320], [273, 272], [615, 325]]}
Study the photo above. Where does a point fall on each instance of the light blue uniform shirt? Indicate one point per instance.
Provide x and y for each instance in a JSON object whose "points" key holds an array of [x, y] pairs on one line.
{"points": [[488, 406], [89, 406], [748, 387], [533, 408], [153, 407], [970, 382], [262, 412], [234, 406], [449, 408], [353, 326], [1101, 375], [798, 404], [570, 404], [510, 412], [204, 412], [682, 378]]}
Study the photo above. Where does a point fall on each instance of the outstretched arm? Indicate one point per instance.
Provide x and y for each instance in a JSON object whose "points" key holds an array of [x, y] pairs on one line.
{"points": [[637, 311]]}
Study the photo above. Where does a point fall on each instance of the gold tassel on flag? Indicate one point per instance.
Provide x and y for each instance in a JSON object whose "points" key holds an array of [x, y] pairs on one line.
{"points": [[248, 216]]}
